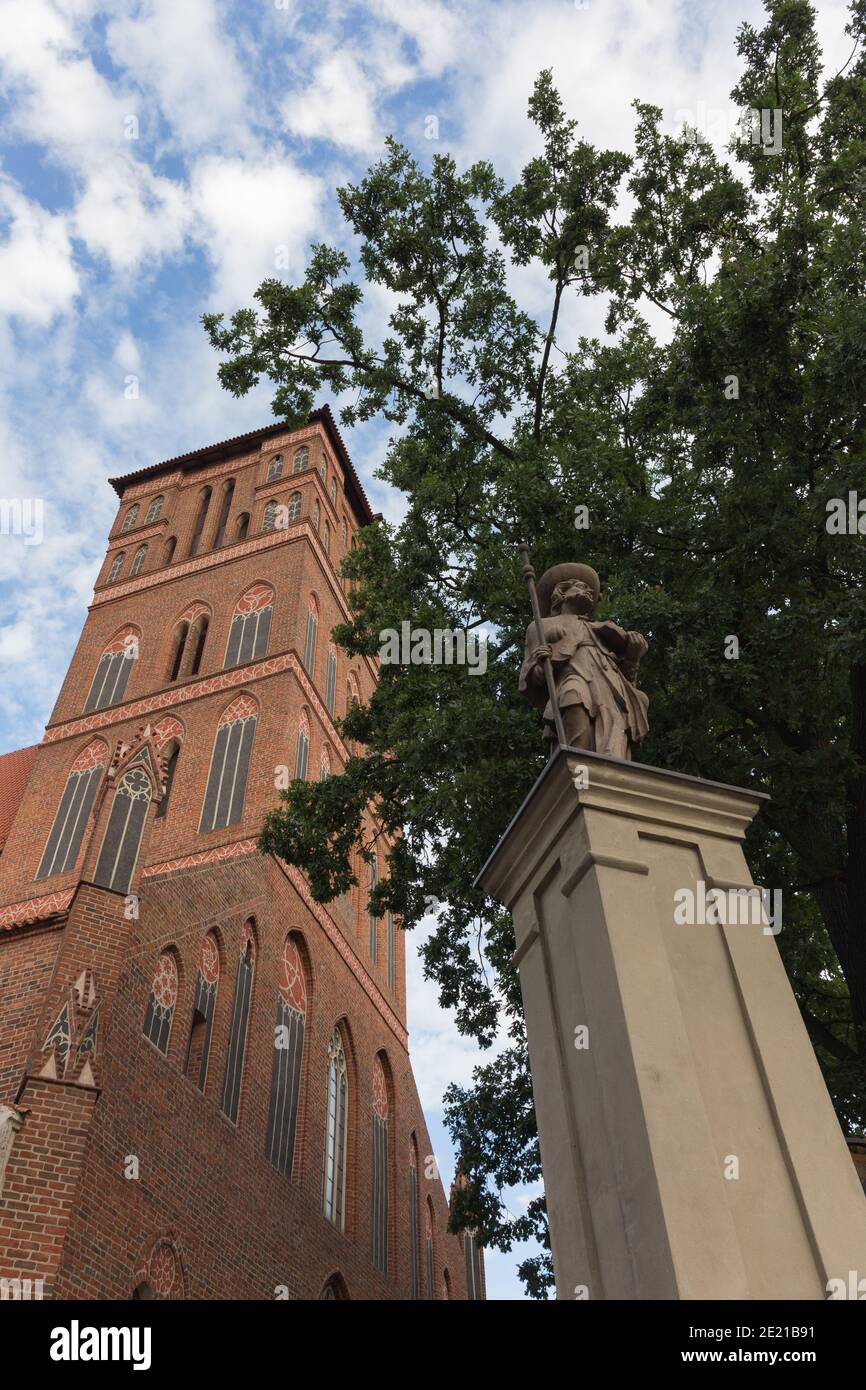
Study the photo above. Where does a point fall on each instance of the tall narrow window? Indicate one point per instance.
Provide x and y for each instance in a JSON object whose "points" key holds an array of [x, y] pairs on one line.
{"points": [[326, 538], [76, 803], [336, 1132], [225, 508], [196, 640], [177, 650], [324, 765], [154, 510], [171, 753], [380, 1166], [138, 560], [323, 468], [230, 765], [116, 567], [391, 950], [112, 673], [474, 1284], [428, 1232], [169, 550], [251, 626], [317, 512], [343, 531], [413, 1222], [334, 489], [374, 878], [130, 519], [286, 1069], [269, 520], [302, 458], [294, 507], [310, 639], [201, 516], [275, 467], [117, 858], [331, 681], [207, 981], [238, 1035], [243, 526], [303, 751], [162, 1001]]}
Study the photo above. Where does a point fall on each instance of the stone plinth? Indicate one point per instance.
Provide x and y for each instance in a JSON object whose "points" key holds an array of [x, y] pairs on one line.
{"points": [[689, 1146]]}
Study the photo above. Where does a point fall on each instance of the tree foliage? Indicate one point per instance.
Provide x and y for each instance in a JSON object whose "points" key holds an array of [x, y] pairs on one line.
{"points": [[706, 453]]}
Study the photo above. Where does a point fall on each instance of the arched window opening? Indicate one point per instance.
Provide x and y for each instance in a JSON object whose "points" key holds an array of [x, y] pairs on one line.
{"points": [[154, 510], [323, 468], [331, 681], [131, 517], [303, 750], [225, 508], [231, 1096], [170, 753], [326, 538], [317, 512], [413, 1222], [275, 468], [310, 638], [336, 1134], [206, 984], [72, 815], [230, 765], [288, 1052], [324, 765], [138, 560], [446, 1284], [169, 550], [250, 626], [178, 646], [294, 506], [162, 1001], [334, 490], [472, 1254], [302, 459], [269, 520], [380, 1166], [243, 525], [203, 504], [196, 640], [119, 854], [343, 531], [112, 673], [335, 1291], [116, 567], [373, 919]]}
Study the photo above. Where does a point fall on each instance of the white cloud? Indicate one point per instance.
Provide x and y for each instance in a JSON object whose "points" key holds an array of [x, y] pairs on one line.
{"points": [[338, 105], [37, 277]]}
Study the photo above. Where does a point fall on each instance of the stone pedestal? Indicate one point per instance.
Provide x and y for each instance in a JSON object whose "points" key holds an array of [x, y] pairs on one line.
{"points": [[689, 1146]]}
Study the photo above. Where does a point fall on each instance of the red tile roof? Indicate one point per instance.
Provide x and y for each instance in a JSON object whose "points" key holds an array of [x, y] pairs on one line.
{"points": [[15, 768], [238, 442]]}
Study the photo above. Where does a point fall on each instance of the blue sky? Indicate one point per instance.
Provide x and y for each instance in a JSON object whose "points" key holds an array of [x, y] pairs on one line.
{"points": [[159, 159]]}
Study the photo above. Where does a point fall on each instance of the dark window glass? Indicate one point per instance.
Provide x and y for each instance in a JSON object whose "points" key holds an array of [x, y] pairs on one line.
{"points": [[198, 639], [238, 1036], [116, 863], [248, 636], [109, 683], [286, 1069], [70, 822], [228, 492], [204, 503], [224, 798], [413, 1229], [171, 767], [207, 981]]}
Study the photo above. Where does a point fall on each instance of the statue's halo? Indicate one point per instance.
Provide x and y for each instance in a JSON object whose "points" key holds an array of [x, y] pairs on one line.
{"points": [[556, 574]]}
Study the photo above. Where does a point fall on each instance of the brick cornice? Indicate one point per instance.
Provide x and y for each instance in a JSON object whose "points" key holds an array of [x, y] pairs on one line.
{"points": [[137, 533]]}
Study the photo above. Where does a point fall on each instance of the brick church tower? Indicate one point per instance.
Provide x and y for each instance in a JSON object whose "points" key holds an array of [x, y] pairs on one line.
{"points": [[205, 1088]]}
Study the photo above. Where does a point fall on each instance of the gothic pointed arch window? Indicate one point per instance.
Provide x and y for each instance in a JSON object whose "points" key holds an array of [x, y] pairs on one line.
{"points": [[301, 460], [474, 1278], [119, 853], [334, 489], [275, 468], [231, 1096], [302, 753], [415, 1259], [428, 1240], [326, 538], [373, 919], [288, 1053], [324, 765], [323, 467], [131, 517], [336, 1132], [206, 985], [181, 633], [446, 1284], [343, 531], [310, 636], [138, 560], [170, 546], [72, 815], [335, 1290], [230, 765], [188, 643], [243, 526], [225, 507], [380, 1166], [197, 638], [201, 516], [116, 566], [250, 626], [317, 513], [269, 520], [112, 672], [294, 510], [331, 681], [161, 1003], [154, 510], [170, 753]]}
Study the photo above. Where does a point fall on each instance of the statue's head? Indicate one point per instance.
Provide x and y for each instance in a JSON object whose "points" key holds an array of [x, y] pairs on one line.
{"points": [[568, 588]]}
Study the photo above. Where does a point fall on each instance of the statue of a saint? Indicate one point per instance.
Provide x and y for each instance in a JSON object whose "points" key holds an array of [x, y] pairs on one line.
{"points": [[594, 667]]}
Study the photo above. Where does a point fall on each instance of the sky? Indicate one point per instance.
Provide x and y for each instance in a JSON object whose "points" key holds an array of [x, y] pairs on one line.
{"points": [[160, 158]]}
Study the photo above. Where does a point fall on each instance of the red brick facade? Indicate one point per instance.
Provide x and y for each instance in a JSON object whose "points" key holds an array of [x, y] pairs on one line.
{"points": [[127, 1163]]}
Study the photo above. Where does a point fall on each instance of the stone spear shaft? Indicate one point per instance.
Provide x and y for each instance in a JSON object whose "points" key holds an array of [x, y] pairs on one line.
{"points": [[529, 576]]}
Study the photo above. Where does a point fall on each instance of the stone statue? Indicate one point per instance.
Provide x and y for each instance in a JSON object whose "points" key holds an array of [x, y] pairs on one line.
{"points": [[594, 666]]}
